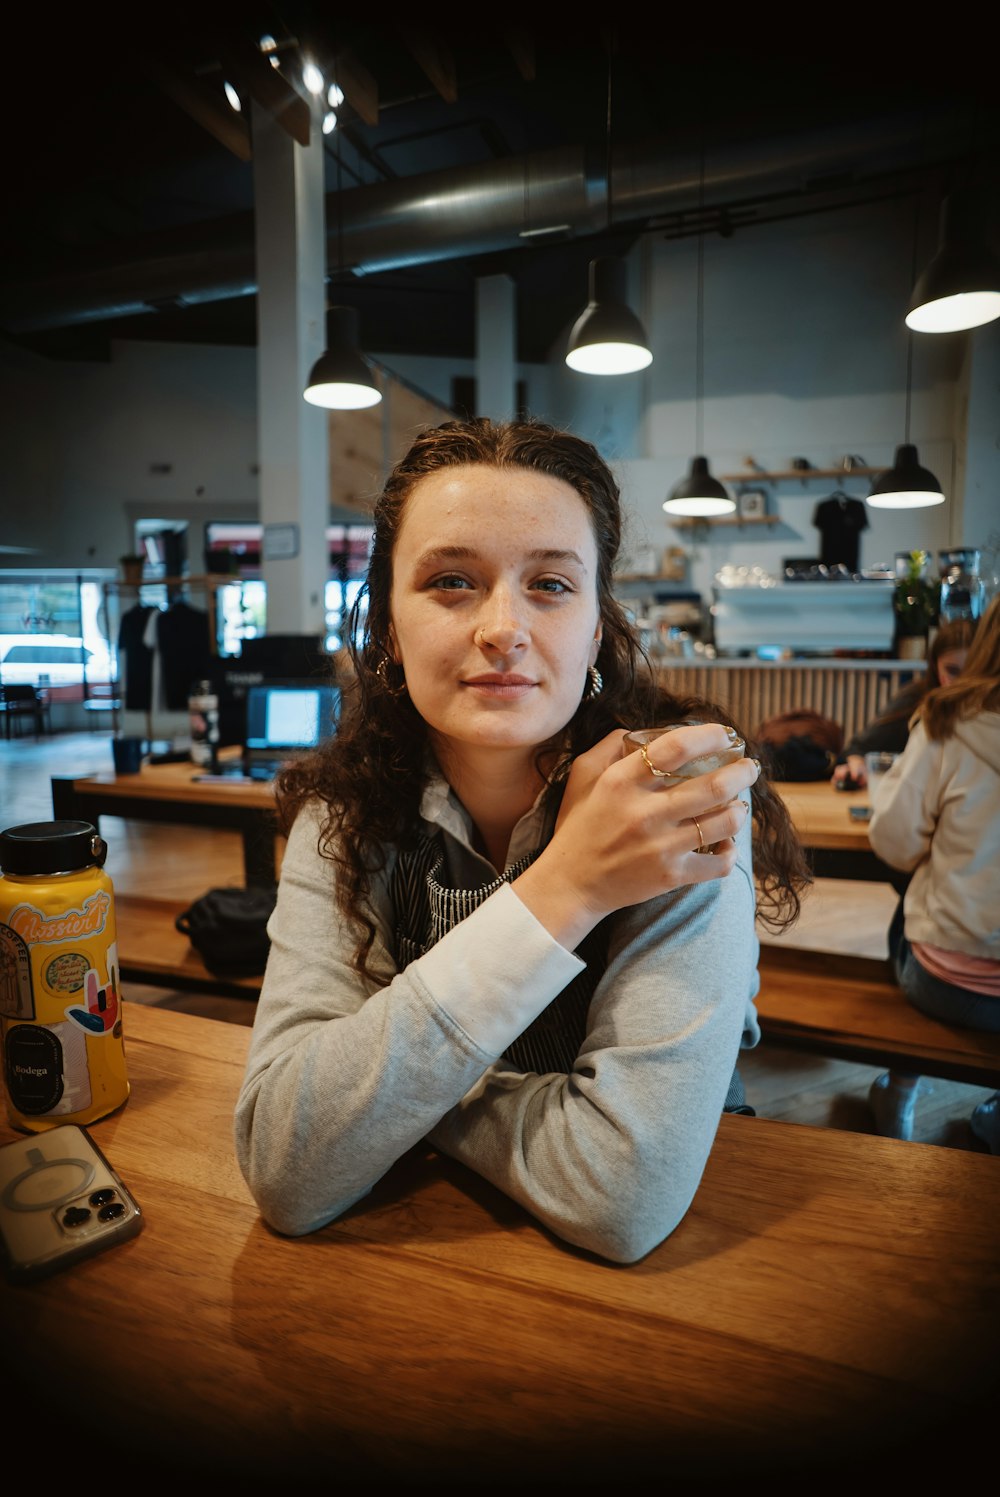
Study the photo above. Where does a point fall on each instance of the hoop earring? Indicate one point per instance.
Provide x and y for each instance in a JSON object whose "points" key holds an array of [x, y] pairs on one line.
{"points": [[595, 683], [382, 671]]}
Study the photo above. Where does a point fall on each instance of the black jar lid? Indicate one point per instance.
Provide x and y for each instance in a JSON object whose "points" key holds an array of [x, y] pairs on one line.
{"points": [[51, 847]]}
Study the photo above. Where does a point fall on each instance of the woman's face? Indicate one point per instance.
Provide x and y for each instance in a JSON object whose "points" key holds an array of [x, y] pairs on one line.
{"points": [[493, 611], [951, 664]]}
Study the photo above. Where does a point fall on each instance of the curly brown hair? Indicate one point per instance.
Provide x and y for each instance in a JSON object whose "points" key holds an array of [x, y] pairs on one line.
{"points": [[371, 774]]}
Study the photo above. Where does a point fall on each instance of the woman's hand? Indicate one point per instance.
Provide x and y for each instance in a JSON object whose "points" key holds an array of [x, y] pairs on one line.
{"points": [[624, 836], [854, 769]]}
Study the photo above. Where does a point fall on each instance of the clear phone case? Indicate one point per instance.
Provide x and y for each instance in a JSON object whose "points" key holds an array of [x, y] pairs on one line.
{"points": [[60, 1201]]}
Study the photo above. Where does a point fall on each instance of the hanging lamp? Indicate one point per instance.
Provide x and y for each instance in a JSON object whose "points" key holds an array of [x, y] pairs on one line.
{"points": [[699, 495], [607, 337], [961, 286], [906, 485], [341, 378]]}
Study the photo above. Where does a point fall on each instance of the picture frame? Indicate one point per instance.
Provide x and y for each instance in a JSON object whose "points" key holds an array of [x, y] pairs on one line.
{"points": [[751, 504]]}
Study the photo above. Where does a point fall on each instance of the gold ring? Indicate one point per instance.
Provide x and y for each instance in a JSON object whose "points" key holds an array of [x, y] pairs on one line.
{"points": [[701, 840], [659, 774]]}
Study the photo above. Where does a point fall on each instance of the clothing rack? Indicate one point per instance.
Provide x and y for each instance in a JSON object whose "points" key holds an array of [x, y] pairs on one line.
{"points": [[183, 588]]}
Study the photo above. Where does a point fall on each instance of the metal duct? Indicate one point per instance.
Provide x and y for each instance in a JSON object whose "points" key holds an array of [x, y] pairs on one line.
{"points": [[464, 211]]}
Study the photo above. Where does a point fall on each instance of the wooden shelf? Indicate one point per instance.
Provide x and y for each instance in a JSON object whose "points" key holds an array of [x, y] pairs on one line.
{"points": [[692, 522], [800, 475]]}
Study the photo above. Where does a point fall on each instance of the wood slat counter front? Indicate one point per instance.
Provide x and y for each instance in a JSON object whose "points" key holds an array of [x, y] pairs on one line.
{"points": [[851, 692], [830, 1299]]}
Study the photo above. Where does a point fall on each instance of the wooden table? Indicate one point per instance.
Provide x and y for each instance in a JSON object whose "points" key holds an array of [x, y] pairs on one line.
{"points": [[172, 793], [830, 1299], [838, 845]]}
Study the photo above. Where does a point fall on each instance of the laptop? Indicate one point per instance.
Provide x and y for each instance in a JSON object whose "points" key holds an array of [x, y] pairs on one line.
{"points": [[282, 720]]}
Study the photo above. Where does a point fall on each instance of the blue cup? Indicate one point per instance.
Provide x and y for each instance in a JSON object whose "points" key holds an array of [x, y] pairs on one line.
{"points": [[128, 754]]}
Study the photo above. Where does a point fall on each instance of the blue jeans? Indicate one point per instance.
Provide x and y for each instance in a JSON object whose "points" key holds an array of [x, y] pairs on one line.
{"points": [[932, 995]]}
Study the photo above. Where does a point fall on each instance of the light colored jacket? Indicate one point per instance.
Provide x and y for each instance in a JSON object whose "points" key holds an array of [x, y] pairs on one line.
{"points": [[937, 814], [344, 1076]]}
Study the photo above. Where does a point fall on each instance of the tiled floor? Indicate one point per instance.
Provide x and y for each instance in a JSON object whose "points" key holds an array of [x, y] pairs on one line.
{"points": [[780, 1083]]}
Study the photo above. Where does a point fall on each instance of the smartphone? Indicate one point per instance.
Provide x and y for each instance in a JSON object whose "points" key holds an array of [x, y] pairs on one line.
{"points": [[860, 813], [60, 1201]]}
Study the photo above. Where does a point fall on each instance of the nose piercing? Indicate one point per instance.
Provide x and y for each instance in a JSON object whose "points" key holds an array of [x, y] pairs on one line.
{"points": [[480, 636]]}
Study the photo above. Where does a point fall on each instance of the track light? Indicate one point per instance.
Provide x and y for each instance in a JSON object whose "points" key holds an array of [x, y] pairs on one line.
{"points": [[341, 379], [961, 286]]}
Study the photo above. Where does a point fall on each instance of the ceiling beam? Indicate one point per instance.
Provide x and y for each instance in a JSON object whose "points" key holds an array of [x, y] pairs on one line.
{"points": [[206, 106], [436, 61], [360, 88], [521, 45]]}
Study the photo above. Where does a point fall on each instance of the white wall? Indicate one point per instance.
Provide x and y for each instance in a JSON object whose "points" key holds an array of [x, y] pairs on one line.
{"points": [[804, 354]]}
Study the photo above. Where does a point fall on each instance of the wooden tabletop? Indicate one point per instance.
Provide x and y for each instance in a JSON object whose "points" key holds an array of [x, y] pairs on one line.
{"points": [[830, 1296], [822, 815], [180, 783]]}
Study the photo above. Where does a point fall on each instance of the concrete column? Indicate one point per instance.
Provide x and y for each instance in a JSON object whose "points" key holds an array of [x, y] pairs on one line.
{"points": [[496, 347], [293, 441]]}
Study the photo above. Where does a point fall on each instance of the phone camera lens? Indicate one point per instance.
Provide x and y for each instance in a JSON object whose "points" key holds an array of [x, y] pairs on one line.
{"points": [[74, 1216], [111, 1212], [99, 1197]]}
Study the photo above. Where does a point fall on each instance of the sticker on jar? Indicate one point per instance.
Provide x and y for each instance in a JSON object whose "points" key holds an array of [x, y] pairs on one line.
{"points": [[67, 972]]}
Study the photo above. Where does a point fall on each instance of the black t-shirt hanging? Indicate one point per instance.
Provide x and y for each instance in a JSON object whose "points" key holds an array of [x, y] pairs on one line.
{"points": [[185, 645], [840, 521]]}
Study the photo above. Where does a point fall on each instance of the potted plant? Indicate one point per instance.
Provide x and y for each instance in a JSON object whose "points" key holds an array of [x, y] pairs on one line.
{"points": [[131, 568], [915, 603]]}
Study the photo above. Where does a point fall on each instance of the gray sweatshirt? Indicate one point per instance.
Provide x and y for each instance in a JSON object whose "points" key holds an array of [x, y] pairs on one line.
{"points": [[345, 1075]]}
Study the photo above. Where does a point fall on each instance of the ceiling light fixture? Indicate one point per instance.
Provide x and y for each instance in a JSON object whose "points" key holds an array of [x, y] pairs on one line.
{"points": [[961, 286], [699, 495], [906, 485], [341, 378], [607, 337]]}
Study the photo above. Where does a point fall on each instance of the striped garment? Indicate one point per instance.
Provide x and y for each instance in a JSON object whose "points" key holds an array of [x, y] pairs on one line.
{"points": [[425, 910]]}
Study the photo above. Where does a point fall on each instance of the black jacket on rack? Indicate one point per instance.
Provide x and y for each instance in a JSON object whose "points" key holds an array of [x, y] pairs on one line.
{"points": [[184, 646], [137, 657]]}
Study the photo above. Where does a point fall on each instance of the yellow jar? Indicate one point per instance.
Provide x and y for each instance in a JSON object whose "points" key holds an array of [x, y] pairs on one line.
{"points": [[60, 983]]}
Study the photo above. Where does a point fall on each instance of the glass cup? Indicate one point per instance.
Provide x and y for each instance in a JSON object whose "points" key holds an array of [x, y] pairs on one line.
{"points": [[877, 766], [701, 764], [637, 739]]}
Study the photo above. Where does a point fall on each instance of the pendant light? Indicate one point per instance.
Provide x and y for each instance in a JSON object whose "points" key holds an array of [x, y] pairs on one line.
{"points": [[699, 495], [607, 337], [906, 485], [341, 379], [961, 286]]}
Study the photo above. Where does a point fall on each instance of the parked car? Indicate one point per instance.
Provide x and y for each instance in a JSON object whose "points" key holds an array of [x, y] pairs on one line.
{"points": [[50, 660]]}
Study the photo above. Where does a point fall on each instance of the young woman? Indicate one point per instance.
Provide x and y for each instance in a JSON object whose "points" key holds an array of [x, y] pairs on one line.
{"points": [[888, 732], [938, 817], [494, 932]]}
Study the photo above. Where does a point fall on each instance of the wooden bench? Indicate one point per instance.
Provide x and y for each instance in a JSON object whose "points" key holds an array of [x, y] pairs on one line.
{"points": [[152, 950], [842, 1006], [851, 1008]]}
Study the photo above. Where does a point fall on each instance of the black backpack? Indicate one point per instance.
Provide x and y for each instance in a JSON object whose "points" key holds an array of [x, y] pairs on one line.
{"points": [[228, 929]]}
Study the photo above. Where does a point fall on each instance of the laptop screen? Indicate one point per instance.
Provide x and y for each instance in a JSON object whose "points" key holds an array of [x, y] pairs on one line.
{"points": [[281, 719]]}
